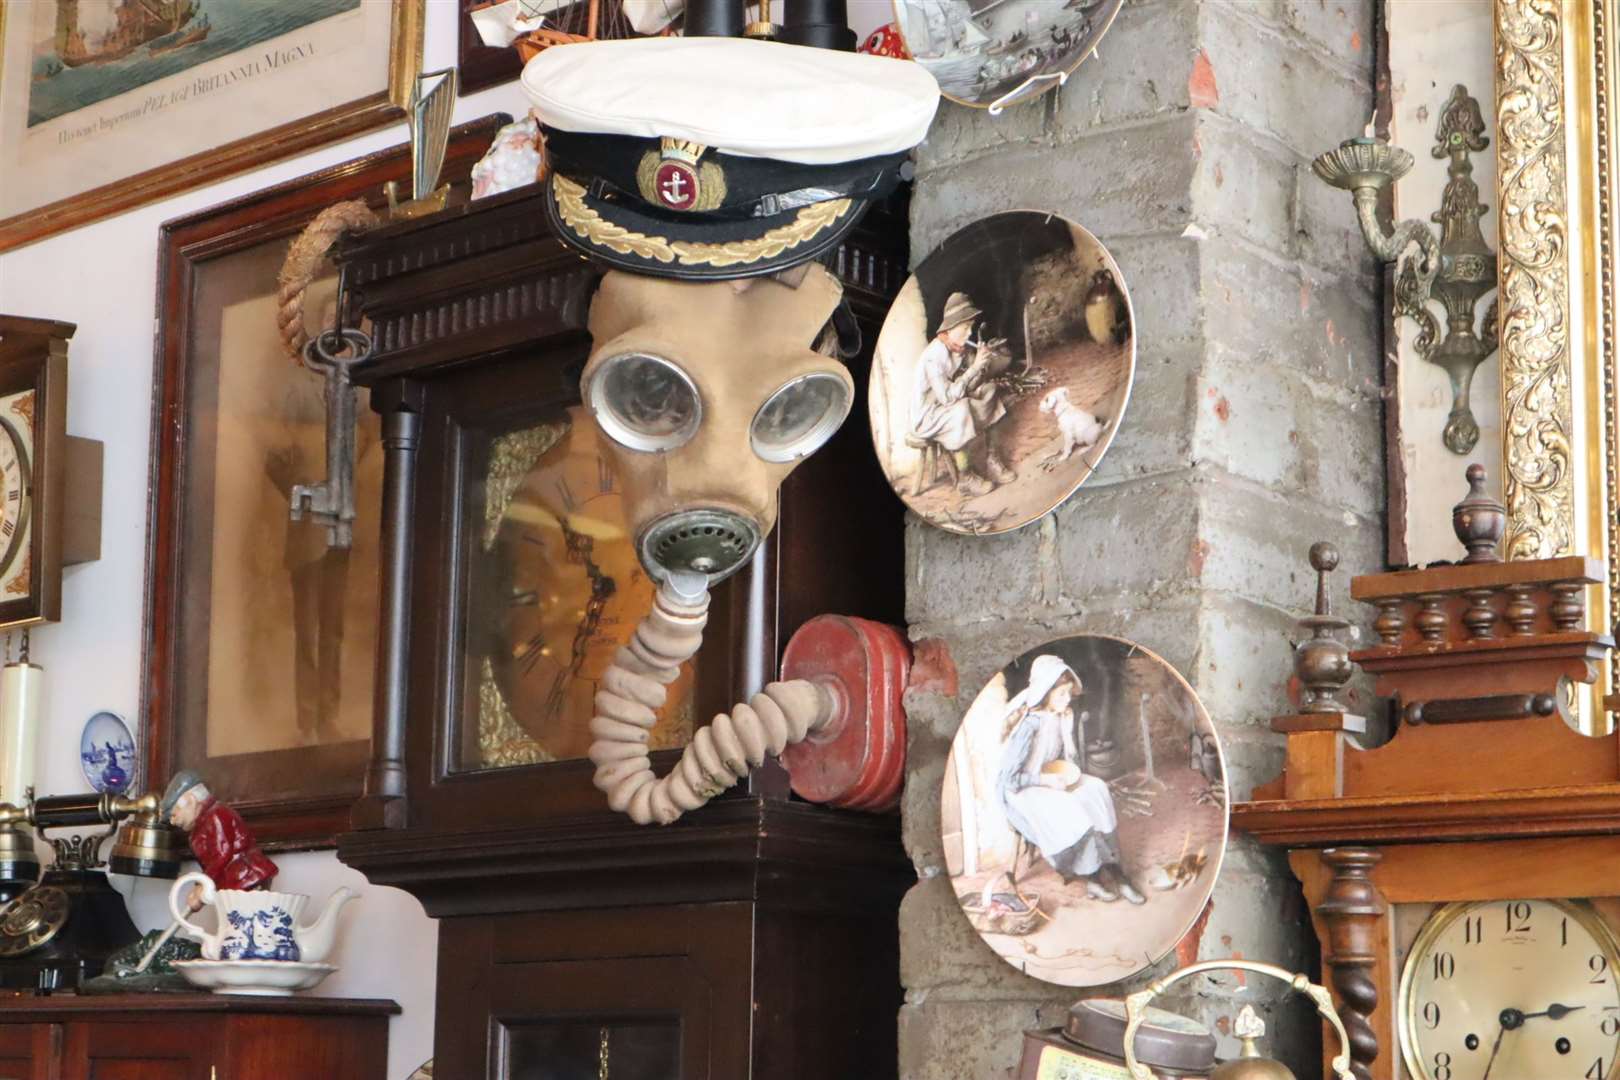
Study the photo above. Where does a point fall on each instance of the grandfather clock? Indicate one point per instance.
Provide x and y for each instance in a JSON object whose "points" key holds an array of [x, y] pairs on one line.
{"points": [[754, 938]]}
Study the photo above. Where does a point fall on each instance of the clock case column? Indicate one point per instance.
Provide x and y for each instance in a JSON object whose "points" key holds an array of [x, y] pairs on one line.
{"points": [[778, 918]]}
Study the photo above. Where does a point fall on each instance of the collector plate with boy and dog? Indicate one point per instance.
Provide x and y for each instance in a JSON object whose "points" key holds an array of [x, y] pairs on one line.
{"points": [[1001, 373]]}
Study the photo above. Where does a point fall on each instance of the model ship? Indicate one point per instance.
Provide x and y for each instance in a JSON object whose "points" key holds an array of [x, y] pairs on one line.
{"points": [[555, 22], [134, 23]]}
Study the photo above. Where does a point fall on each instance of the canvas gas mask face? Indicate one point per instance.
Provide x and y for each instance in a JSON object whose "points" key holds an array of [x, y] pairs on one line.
{"points": [[709, 395]]}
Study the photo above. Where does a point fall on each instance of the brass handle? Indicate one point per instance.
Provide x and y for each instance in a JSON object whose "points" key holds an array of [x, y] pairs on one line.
{"points": [[1136, 1009]]}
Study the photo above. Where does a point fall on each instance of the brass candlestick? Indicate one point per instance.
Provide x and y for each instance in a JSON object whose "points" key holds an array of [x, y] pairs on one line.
{"points": [[1456, 270]]}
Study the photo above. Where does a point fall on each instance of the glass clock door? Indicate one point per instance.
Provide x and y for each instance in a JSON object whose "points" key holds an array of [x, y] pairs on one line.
{"points": [[554, 589]]}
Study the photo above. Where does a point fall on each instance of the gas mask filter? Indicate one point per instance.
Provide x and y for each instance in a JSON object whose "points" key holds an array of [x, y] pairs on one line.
{"points": [[709, 395]]}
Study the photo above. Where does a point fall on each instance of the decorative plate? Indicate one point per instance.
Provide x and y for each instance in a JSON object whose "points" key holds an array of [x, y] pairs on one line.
{"points": [[270, 978], [993, 53], [1002, 372], [1115, 849], [107, 753]]}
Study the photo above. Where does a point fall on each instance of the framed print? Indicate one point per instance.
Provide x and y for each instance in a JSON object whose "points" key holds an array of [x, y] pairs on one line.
{"points": [[107, 105], [260, 639]]}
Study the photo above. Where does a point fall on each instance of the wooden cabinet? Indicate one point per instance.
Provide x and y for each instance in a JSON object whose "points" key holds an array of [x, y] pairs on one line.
{"points": [[754, 938], [27, 1049], [192, 1037]]}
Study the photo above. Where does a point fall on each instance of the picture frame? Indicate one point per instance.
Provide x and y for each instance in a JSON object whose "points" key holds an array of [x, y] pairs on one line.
{"points": [[481, 66], [113, 114], [227, 633], [1557, 138]]}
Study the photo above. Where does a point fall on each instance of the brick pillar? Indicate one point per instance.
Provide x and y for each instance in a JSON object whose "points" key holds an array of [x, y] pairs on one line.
{"points": [[1253, 429]]}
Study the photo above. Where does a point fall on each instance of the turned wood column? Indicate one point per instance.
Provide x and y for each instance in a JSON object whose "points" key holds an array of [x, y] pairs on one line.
{"points": [[382, 806], [1350, 910]]}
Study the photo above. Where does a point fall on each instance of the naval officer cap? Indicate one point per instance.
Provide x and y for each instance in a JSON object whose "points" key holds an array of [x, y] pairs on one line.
{"points": [[716, 157]]}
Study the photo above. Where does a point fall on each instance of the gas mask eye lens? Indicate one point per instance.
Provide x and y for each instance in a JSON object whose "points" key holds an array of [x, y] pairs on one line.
{"points": [[645, 402], [799, 417]]}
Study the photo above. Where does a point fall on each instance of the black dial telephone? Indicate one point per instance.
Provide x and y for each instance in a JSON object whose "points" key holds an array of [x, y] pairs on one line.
{"points": [[57, 930]]}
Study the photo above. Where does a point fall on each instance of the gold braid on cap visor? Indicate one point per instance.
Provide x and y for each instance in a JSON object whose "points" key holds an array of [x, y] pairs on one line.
{"points": [[586, 223]]}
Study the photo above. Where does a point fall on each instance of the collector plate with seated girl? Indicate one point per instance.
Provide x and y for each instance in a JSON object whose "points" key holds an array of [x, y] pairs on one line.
{"points": [[1084, 811]]}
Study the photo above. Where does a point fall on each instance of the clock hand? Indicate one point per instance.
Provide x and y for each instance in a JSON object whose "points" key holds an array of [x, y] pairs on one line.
{"points": [[1497, 1045], [1557, 1012]]}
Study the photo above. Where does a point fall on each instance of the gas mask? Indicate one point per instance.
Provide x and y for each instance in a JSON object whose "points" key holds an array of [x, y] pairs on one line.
{"points": [[709, 395]]}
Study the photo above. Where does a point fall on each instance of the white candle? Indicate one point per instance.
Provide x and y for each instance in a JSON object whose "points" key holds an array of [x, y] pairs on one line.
{"points": [[22, 689]]}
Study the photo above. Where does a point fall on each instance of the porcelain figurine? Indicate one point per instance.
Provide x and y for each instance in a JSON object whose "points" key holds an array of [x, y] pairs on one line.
{"points": [[514, 159], [258, 925], [221, 841]]}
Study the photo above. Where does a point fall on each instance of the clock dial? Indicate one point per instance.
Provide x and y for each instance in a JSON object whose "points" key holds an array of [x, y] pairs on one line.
{"points": [[1512, 990], [16, 493], [565, 591]]}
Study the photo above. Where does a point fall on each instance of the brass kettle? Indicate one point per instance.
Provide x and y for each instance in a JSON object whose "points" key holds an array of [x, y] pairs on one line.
{"points": [[1248, 1065]]}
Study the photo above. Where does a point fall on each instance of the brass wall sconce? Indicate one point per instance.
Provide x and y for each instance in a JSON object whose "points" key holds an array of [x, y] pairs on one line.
{"points": [[1456, 270]]}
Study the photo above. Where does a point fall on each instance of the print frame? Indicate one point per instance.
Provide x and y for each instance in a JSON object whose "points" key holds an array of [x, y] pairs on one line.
{"points": [[88, 195], [293, 798]]}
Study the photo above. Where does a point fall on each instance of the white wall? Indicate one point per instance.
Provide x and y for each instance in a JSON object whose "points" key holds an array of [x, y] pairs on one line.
{"points": [[104, 278], [1435, 44]]}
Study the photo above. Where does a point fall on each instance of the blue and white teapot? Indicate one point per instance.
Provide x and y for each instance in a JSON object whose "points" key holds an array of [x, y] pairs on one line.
{"points": [[258, 925]]}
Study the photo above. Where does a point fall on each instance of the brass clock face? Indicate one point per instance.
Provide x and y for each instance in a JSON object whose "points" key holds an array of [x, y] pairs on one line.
{"points": [[1512, 990], [569, 592], [16, 491]]}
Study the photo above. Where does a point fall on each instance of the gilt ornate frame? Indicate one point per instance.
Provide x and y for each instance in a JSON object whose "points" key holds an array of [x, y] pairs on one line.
{"points": [[1556, 184]]}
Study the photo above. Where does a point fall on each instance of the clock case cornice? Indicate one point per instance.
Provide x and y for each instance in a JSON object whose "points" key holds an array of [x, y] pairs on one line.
{"points": [[533, 292], [1584, 810]]}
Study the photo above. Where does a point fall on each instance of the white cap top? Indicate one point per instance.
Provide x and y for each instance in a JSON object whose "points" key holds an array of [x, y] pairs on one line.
{"points": [[738, 96]]}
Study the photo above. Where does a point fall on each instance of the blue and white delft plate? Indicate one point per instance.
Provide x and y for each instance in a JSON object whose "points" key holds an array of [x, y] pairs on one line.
{"points": [[107, 753]]}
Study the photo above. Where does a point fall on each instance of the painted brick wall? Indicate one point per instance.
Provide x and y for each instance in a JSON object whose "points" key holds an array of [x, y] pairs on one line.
{"points": [[1253, 429]]}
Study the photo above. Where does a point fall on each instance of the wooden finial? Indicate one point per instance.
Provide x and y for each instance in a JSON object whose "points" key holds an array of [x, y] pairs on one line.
{"points": [[1322, 661], [1479, 520], [1325, 559]]}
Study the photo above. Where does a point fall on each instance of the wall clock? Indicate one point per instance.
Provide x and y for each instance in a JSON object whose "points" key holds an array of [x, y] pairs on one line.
{"points": [[1511, 988], [1464, 877], [50, 484], [558, 590]]}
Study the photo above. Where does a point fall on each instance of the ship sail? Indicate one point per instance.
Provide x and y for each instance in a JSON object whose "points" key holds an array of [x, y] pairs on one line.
{"points": [[105, 32]]}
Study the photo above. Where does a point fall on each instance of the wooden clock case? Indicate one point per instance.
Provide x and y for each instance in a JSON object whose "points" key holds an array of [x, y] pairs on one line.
{"points": [[1485, 800], [66, 471], [763, 928]]}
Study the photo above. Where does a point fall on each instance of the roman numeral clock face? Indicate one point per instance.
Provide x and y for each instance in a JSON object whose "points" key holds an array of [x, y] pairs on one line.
{"points": [[1512, 990], [572, 591], [16, 493]]}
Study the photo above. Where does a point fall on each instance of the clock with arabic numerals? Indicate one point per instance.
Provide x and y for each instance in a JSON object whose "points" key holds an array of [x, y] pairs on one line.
{"points": [[1512, 990]]}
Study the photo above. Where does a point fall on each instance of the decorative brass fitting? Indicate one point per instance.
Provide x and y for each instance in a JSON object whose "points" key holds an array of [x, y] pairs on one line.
{"points": [[1456, 270]]}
